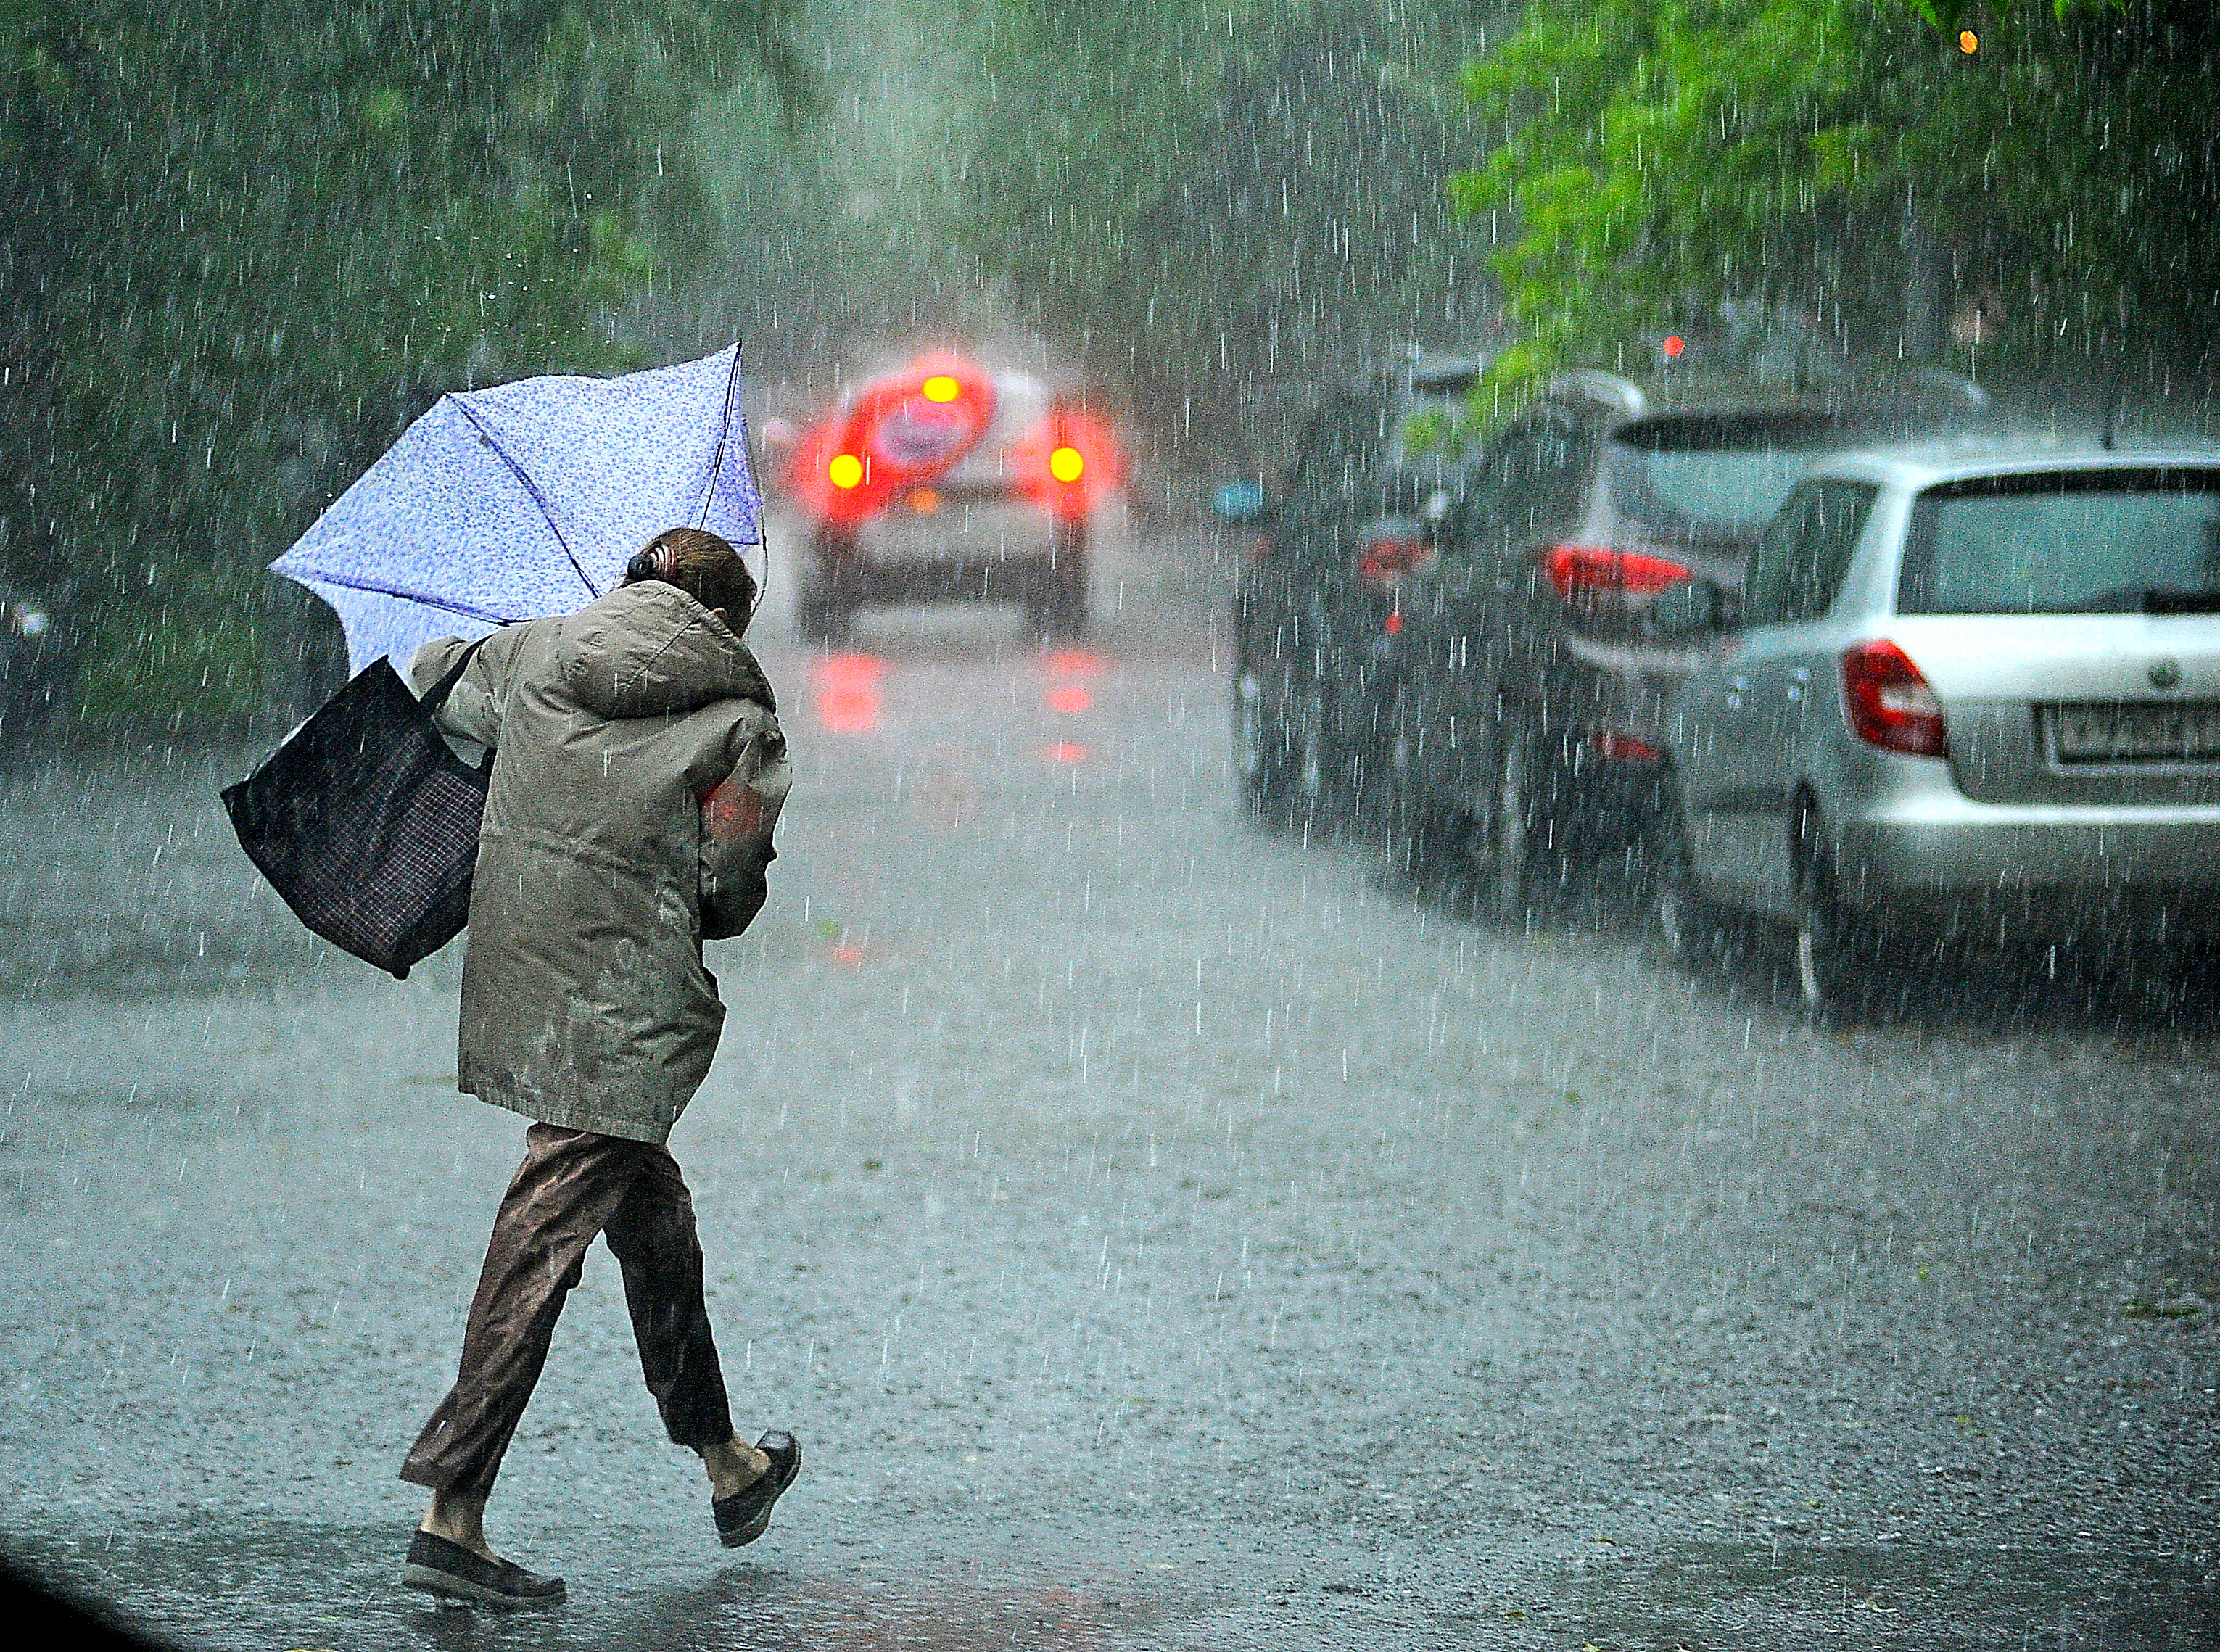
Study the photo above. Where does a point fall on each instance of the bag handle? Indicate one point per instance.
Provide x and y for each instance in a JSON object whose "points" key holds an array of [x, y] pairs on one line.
{"points": [[436, 695]]}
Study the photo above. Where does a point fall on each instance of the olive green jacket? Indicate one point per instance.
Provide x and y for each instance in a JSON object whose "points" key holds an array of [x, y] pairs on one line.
{"points": [[637, 774]]}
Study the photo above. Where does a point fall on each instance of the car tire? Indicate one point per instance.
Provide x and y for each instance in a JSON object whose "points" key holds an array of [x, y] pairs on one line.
{"points": [[1259, 759], [1498, 842], [1278, 760], [1410, 826], [1056, 611], [1832, 963], [825, 606], [1840, 959], [1678, 921]]}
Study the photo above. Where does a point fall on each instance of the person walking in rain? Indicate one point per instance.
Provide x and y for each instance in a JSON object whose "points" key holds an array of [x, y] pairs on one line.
{"points": [[638, 772]]}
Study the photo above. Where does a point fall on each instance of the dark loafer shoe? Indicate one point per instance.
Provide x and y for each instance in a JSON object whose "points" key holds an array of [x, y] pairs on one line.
{"points": [[449, 1570], [746, 1515]]}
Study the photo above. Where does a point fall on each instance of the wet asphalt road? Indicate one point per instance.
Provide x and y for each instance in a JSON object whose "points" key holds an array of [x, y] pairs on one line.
{"points": [[1160, 1234]]}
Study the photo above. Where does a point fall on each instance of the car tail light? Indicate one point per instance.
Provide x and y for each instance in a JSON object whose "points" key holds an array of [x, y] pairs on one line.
{"points": [[1889, 704], [1383, 559], [1067, 463], [1617, 745], [1579, 569]]}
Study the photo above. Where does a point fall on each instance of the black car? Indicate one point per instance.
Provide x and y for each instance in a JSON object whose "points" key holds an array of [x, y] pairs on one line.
{"points": [[1530, 670], [1378, 464]]}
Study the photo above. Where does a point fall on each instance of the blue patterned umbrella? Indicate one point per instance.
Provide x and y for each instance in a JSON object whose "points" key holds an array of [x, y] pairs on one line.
{"points": [[526, 500]]}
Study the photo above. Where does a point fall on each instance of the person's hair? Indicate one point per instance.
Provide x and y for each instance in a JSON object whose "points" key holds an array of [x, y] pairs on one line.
{"points": [[702, 564]]}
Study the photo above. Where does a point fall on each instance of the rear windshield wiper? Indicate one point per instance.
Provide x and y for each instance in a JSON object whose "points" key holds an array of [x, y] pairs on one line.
{"points": [[2181, 602]]}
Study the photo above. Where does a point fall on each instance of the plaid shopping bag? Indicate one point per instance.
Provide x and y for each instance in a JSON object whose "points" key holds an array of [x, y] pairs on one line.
{"points": [[366, 822]]}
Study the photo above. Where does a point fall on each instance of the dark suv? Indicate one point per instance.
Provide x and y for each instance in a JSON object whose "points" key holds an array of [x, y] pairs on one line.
{"points": [[1376, 467], [1531, 677]]}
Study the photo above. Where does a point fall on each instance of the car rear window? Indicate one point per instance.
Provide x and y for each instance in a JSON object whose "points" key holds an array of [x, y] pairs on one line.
{"points": [[1713, 476], [2075, 542]]}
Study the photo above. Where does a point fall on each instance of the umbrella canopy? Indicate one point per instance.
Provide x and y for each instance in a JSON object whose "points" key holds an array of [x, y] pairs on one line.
{"points": [[526, 500]]}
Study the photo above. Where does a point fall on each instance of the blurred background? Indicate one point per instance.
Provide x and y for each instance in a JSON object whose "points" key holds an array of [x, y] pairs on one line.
{"points": [[243, 249]]}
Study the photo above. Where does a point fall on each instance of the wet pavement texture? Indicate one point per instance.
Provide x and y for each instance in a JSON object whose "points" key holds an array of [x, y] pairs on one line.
{"points": [[1160, 1233]]}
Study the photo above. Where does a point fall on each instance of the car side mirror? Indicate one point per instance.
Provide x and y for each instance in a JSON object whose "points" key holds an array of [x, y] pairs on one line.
{"points": [[1693, 608], [1240, 504]]}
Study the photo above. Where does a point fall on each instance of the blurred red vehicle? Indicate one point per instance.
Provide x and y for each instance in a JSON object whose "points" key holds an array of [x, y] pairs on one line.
{"points": [[948, 483]]}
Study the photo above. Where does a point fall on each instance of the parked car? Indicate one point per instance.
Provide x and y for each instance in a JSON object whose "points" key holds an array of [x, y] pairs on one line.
{"points": [[1376, 469], [1973, 692], [945, 482], [32, 667], [1531, 677]]}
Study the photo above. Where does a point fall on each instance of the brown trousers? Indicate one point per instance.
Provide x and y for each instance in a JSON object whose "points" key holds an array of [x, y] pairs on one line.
{"points": [[572, 1185]]}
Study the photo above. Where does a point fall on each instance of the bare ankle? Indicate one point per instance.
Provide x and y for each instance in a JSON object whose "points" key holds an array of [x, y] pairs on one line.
{"points": [[732, 1466], [459, 1516]]}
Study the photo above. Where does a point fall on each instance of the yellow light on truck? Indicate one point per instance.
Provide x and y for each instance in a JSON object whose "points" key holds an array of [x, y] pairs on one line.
{"points": [[1968, 41], [941, 388], [1066, 465], [846, 470]]}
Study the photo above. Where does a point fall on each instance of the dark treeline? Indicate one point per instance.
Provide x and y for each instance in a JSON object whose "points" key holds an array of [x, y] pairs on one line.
{"points": [[248, 240]]}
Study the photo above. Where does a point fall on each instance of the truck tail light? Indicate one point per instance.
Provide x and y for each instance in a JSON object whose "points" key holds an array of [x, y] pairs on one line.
{"points": [[1889, 704]]}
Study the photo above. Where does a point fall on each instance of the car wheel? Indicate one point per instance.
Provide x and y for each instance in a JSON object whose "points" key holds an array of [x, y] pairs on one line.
{"points": [[1257, 756], [1275, 753], [1309, 750], [1677, 916], [1838, 957], [1824, 951], [1058, 610], [1410, 828], [1498, 844], [825, 606]]}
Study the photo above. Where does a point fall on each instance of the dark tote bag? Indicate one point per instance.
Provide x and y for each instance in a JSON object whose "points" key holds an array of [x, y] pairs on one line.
{"points": [[366, 822]]}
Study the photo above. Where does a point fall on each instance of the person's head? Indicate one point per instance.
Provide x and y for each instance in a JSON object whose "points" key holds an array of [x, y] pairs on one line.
{"points": [[702, 564]]}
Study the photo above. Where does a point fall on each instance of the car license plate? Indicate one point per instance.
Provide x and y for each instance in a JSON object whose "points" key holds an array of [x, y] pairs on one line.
{"points": [[2189, 732]]}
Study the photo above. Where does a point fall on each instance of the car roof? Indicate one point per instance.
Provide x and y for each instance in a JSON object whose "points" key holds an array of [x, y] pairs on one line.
{"points": [[1857, 393], [1913, 467]]}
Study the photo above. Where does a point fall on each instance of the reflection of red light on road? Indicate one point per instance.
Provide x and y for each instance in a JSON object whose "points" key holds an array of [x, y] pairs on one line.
{"points": [[845, 689], [1068, 752], [1395, 622], [1075, 661], [1071, 700], [850, 954]]}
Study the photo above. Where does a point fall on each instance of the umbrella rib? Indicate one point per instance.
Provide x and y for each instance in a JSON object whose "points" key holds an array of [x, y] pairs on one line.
{"points": [[724, 437], [531, 487], [444, 604]]}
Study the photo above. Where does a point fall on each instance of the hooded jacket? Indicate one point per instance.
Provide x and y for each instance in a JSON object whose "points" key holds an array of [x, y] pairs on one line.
{"points": [[585, 1001]]}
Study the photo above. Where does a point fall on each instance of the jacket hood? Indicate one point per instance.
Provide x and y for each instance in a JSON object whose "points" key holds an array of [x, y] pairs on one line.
{"points": [[649, 650]]}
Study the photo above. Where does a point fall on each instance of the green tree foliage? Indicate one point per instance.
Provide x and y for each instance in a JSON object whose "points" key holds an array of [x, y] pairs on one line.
{"points": [[248, 240], [2038, 193]]}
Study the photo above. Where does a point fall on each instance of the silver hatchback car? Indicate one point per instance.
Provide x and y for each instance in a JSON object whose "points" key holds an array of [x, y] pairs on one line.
{"points": [[1972, 693]]}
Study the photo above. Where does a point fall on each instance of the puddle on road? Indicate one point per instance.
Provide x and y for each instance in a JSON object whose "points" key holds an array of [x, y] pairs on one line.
{"points": [[264, 1584], [1704, 1595]]}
